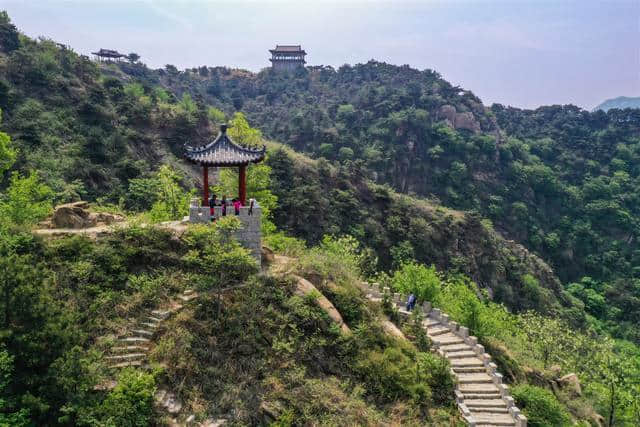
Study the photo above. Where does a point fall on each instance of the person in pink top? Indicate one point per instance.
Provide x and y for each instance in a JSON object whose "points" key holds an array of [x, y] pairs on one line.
{"points": [[236, 205]]}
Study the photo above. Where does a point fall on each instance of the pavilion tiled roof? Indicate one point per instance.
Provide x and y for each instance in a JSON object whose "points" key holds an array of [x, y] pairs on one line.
{"points": [[108, 52], [224, 152], [282, 48]]}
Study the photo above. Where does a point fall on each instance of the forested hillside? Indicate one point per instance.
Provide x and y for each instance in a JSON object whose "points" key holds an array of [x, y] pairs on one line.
{"points": [[560, 180], [620, 103], [403, 179]]}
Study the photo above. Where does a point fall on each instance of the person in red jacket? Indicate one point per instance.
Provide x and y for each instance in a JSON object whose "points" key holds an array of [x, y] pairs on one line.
{"points": [[236, 205]]}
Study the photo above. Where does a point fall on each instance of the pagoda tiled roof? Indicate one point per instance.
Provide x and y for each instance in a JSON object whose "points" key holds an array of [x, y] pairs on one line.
{"points": [[224, 152]]}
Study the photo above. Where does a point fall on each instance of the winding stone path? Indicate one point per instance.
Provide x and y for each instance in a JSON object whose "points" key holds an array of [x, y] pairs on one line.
{"points": [[482, 398], [133, 348]]}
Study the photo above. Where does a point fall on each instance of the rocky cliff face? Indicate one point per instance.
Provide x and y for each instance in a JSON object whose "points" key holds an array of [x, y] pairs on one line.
{"points": [[457, 120]]}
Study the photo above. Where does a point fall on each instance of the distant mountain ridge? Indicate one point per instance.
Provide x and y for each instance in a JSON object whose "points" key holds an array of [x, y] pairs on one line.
{"points": [[620, 102]]}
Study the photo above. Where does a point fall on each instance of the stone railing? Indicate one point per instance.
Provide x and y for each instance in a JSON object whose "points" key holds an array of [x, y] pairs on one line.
{"points": [[250, 235], [376, 293]]}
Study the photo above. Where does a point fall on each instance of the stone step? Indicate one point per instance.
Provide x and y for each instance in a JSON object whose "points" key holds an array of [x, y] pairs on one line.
{"points": [[474, 378], [452, 348], [485, 403], [469, 370], [466, 362], [128, 348], [186, 298], [482, 396], [475, 389], [494, 419], [143, 332], [149, 325], [429, 323], [437, 330], [128, 363], [129, 356], [487, 410], [447, 339], [467, 354], [154, 319], [133, 340], [188, 291], [162, 314]]}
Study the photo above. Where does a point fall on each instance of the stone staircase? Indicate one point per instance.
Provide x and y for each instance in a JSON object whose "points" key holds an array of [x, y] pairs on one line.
{"points": [[481, 396], [132, 349]]}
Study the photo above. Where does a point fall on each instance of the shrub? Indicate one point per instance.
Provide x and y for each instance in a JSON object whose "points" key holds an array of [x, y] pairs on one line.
{"points": [[27, 200], [540, 406], [284, 244], [417, 279], [130, 403], [389, 374]]}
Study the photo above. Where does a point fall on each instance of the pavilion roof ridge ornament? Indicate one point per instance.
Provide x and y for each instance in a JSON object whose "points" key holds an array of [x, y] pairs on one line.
{"points": [[224, 152]]}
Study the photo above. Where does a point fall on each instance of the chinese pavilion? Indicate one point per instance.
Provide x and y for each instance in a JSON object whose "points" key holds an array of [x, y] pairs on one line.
{"points": [[287, 57], [108, 55], [223, 152]]}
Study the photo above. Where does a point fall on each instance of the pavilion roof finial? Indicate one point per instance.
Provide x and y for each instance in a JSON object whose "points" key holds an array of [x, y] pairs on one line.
{"points": [[223, 128]]}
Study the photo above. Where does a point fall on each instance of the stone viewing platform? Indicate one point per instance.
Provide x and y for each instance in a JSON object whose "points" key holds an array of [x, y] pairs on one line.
{"points": [[250, 235]]}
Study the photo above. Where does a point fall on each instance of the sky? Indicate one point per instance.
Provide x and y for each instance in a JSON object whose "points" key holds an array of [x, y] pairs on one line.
{"points": [[523, 53]]}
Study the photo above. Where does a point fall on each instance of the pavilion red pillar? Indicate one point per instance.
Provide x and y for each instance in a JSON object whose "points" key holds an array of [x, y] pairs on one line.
{"points": [[205, 186], [242, 184]]}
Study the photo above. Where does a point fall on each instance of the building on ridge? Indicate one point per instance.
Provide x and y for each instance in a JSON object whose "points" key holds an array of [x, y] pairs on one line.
{"points": [[287, 57], [108, 55]]}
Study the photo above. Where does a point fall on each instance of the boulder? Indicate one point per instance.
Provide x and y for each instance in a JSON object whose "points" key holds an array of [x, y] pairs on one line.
{"points": [[447, 112], [105, 218], [598, 420], [72, 215], [76, 215], [267, 255], [452, 118], [466, 121], [570, 383]]}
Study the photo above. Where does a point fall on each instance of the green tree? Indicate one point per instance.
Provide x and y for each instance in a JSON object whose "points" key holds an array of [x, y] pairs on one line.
{"points": [[7, 152], [242, 133], [8, 416], [27, 200], [172, 201], [417, 279], [9, 38], [133, 57]]}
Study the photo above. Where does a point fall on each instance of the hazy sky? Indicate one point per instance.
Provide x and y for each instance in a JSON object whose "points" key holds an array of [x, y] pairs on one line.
{"points": [[524, 53]]}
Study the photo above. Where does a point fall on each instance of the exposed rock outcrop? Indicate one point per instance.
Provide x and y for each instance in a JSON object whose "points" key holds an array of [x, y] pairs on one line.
{"points": [[305, 287], [76, 215], [466, 121], [457, 120], [571, 384]]}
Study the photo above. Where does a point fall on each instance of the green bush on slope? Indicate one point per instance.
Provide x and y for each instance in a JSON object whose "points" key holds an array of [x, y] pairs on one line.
{"points": [[540, 406]]}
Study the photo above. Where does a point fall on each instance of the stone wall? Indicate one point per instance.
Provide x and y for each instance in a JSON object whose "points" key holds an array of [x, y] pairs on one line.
{"points": [[250, 235]]}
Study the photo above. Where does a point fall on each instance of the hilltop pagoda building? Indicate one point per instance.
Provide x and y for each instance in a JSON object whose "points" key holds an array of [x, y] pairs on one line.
{"points": [[223, 152], [287, 57], [108, 55]]}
